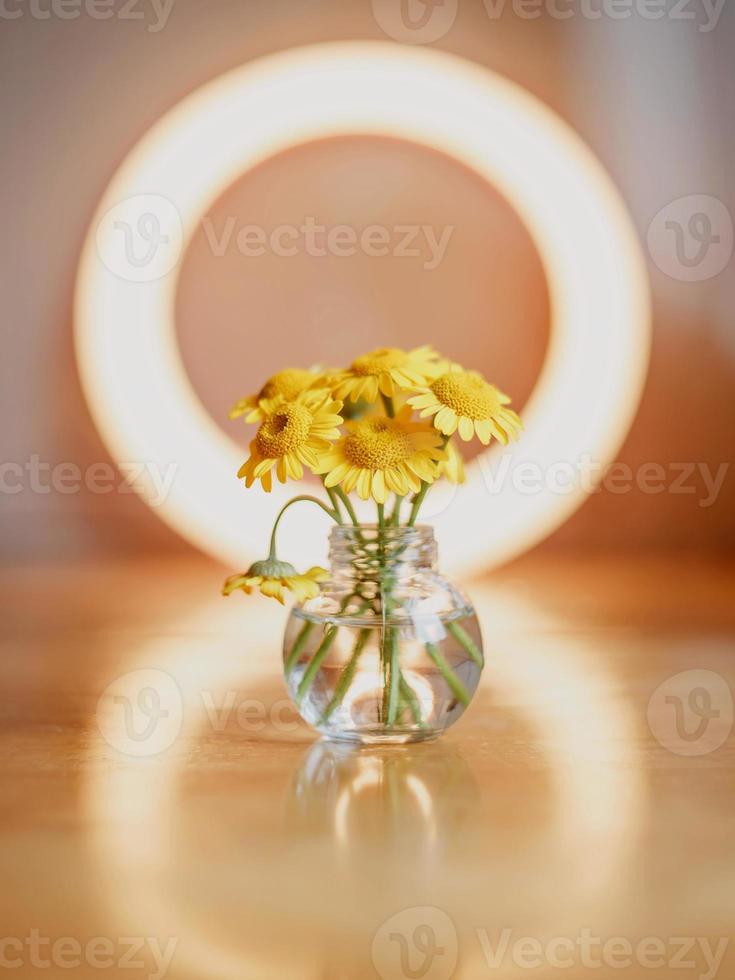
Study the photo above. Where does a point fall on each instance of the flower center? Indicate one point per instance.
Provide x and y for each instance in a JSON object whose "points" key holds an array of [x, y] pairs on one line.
{"points": [[378, 361], [375, 444], [285, 430], [467, 393], [288, 383]]}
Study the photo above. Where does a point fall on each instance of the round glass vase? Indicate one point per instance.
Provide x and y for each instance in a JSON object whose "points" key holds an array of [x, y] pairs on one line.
{"points": [[390, 651]]}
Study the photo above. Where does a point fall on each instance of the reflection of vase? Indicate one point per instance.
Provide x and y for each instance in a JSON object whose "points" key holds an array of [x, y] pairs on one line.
{"points": [[374, 800], [389, 651]]}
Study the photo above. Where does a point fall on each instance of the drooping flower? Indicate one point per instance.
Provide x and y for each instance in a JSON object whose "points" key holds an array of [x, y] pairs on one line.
{"points": [[379, 454], [288, 384], [274, 578], [291, 436], [383, 371], [463, 401]]}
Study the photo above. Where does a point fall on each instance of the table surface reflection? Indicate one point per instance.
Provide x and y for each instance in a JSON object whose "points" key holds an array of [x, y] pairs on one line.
{"points": [[578, 819]]}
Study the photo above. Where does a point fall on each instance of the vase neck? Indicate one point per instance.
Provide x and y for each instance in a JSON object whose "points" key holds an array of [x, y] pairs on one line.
{"points": [[369, 553]]}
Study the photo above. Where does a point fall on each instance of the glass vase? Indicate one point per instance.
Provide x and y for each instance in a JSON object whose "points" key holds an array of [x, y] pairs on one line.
{"points": [[390, 651]]}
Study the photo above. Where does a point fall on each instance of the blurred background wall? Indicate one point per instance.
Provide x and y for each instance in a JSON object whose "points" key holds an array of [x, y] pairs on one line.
{"points": [[651, 95]]}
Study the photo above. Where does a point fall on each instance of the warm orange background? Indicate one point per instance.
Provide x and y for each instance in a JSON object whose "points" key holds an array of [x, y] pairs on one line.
{"points": [[569, 797], [651, 101]]}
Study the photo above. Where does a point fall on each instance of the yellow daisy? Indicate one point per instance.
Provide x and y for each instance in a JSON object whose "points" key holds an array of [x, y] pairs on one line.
{"points": [[384, 370], [463, 401], [273, 577], [288, 383], [379, 455], [290, 436]]}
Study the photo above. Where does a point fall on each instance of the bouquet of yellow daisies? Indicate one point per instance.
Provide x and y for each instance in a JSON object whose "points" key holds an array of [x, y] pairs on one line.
{"points": [[384, 648], [384, 428]]}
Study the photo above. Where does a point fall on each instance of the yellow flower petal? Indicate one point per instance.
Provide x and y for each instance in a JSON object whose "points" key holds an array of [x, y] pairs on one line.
{"points": [[445, 421], [421, 401], [378, 487], [414, 483], [274, 588], [484, 431], [385, 384], [263, 466], [363, 484], [237, 582], [396, 481], [300, 587], [499, 433], [349, 482], [370, 389], [337, 474], [243, 406]]}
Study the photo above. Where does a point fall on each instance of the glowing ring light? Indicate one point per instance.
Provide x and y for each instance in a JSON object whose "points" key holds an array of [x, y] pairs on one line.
{"points": [[591, 381]]}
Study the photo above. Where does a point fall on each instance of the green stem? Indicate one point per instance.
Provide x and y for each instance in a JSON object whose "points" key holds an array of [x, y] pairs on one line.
{"points": [[298, 646], [419, 498], [347, 674], [348, 505], [316, 662], [326, 643], [395, 517], [334, 500], [417, 501], [465, 640], [395, 677], [409, 696], [296, 500], [388, 661], [455, 684], [388, 405]]}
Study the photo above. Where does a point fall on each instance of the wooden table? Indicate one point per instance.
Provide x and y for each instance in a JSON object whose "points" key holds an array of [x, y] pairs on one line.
{"points": [[579, 817]]}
